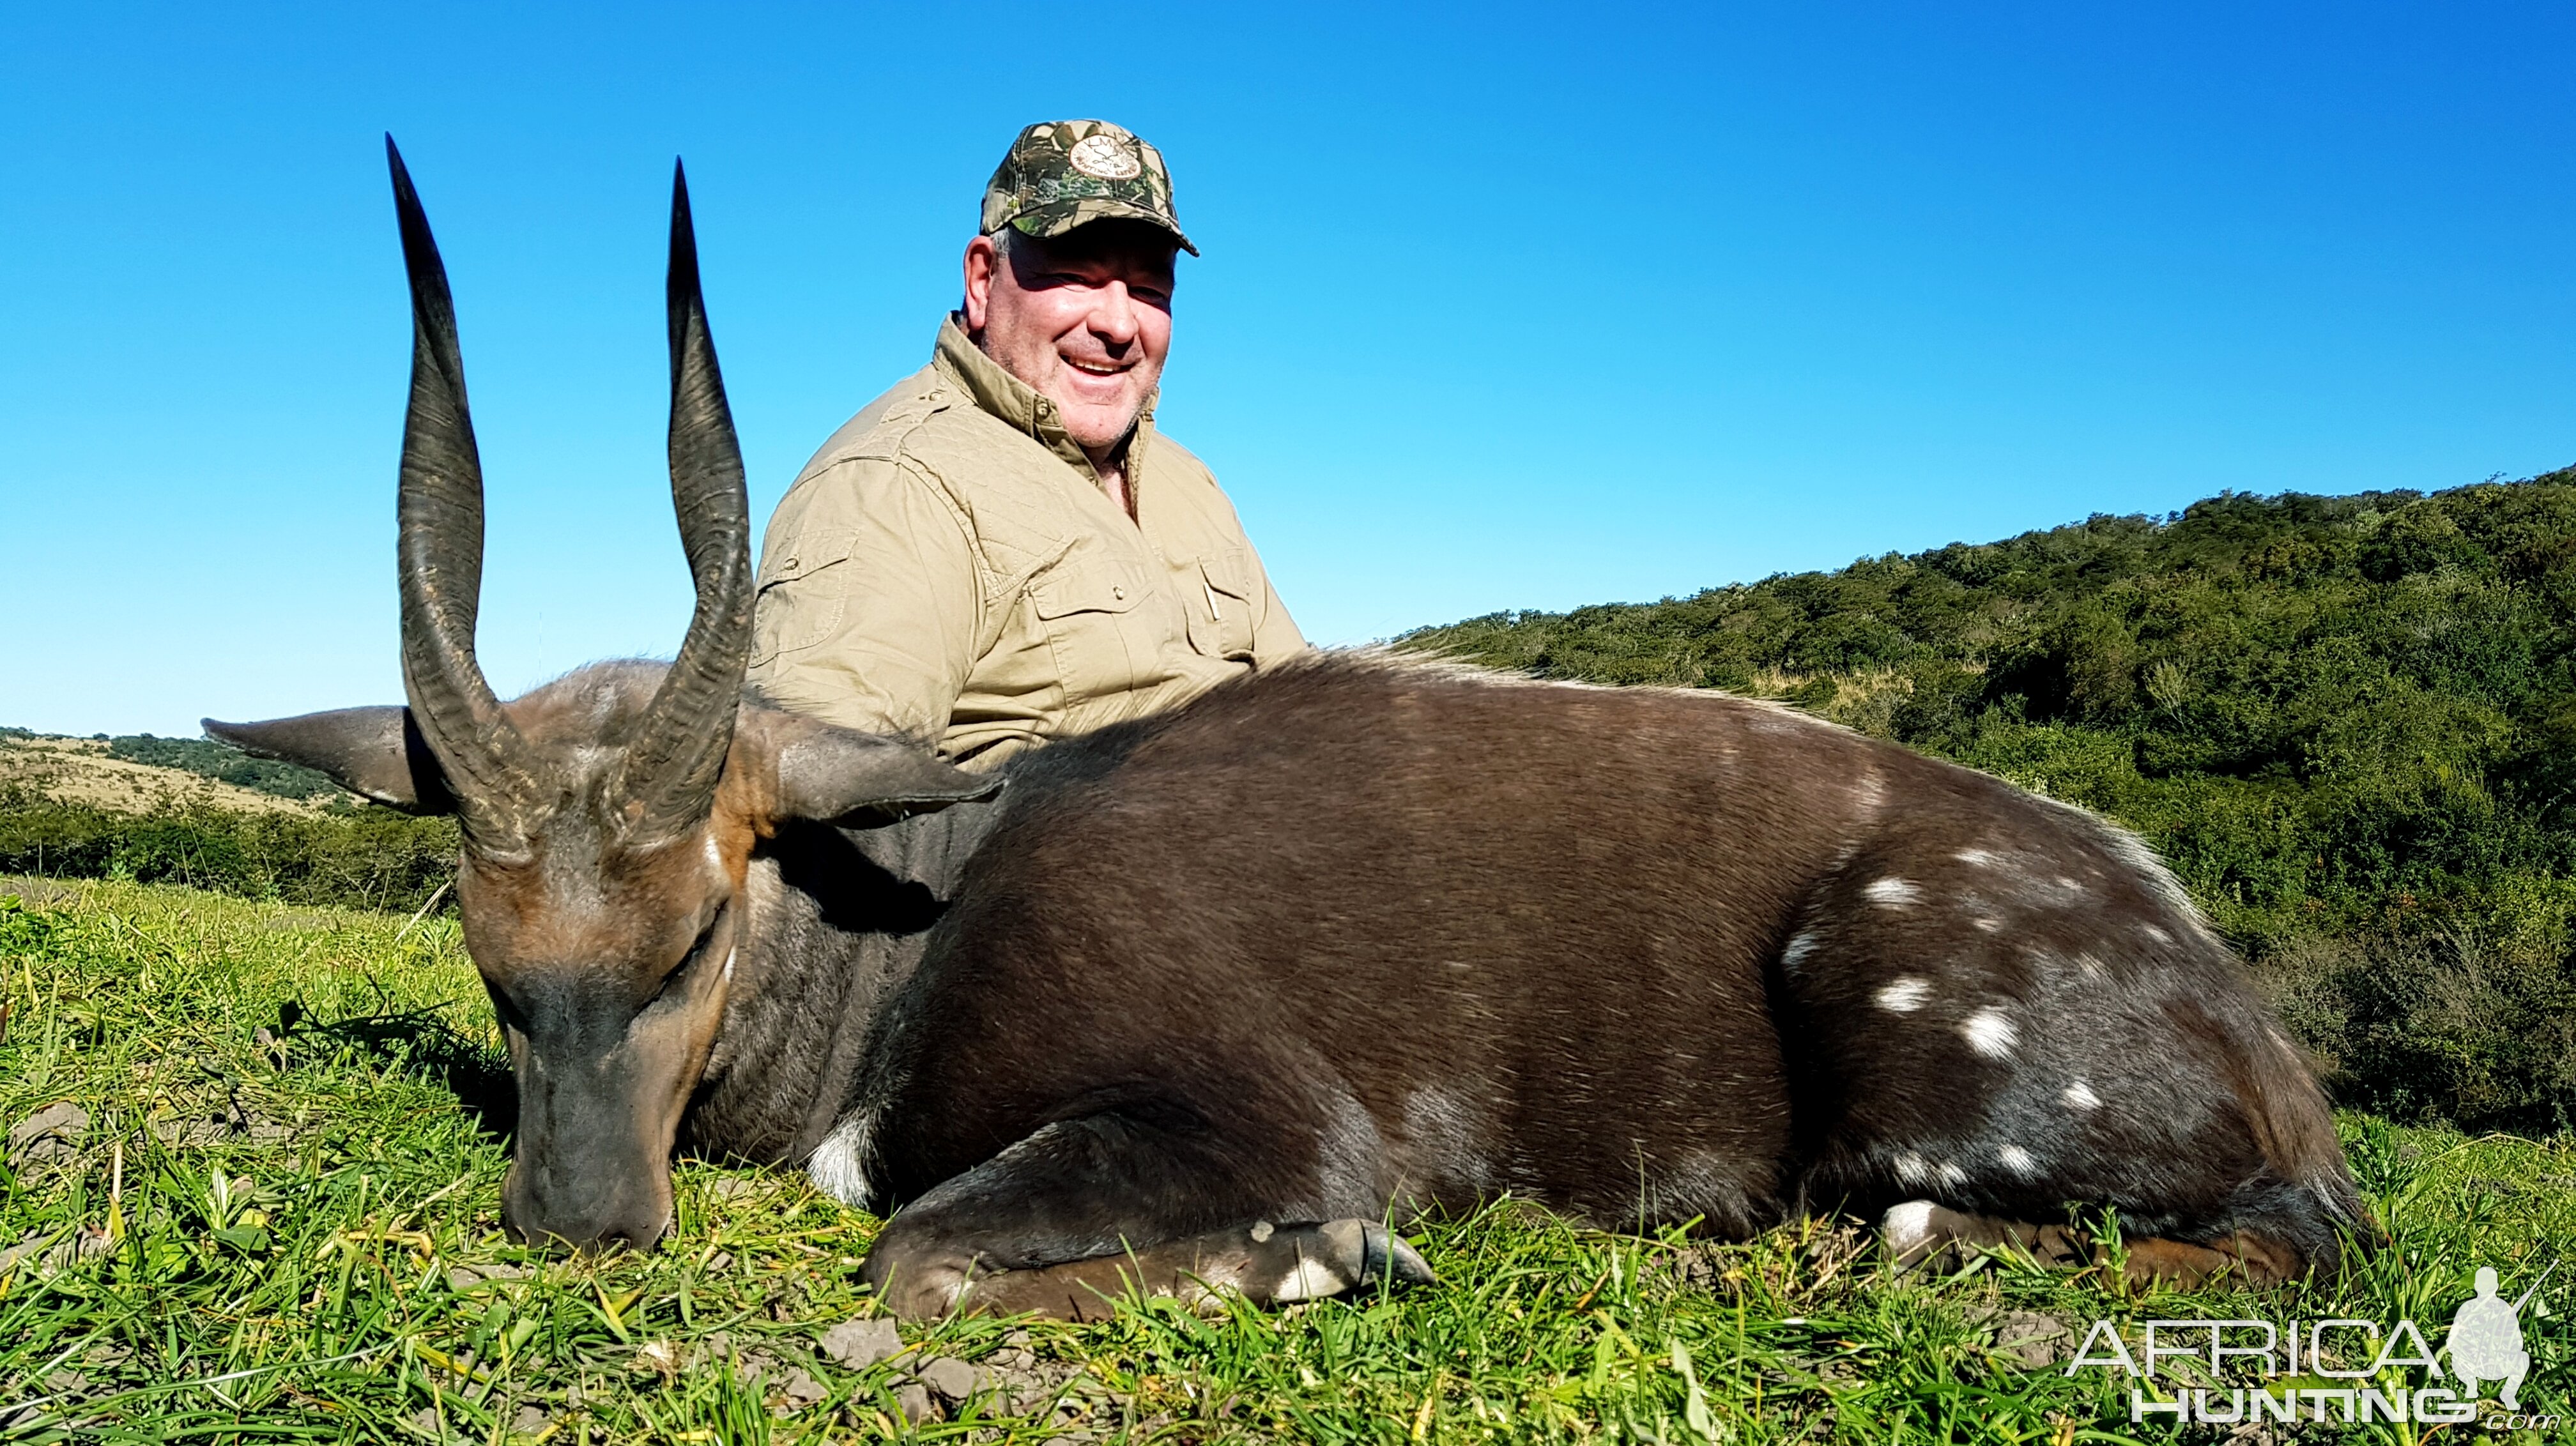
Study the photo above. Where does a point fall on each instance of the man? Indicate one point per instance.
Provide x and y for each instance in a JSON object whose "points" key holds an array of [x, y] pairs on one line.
{"points": [[1002, 550]]}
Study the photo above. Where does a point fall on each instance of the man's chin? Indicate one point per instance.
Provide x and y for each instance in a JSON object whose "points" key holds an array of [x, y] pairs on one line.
{"points": [[1095, 428]]}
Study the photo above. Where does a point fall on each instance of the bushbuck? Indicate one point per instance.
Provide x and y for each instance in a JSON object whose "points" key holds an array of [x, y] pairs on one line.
{"points": [[1195, 1004]]}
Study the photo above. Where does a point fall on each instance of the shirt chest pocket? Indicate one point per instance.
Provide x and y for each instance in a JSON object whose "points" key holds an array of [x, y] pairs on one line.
{"points": [[1221, 614], [802, 596], [1088, 610]]}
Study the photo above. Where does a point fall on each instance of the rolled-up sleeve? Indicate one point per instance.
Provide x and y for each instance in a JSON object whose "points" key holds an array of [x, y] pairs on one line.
{"points": [[870, 598]]}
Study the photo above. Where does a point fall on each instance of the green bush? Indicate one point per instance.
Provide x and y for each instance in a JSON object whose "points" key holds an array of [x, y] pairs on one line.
{"points": [[361, 857], [225, 763], [2348, 722]]}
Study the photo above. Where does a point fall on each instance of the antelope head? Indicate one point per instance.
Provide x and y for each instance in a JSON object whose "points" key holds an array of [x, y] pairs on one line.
{"points": [[608, 817]]}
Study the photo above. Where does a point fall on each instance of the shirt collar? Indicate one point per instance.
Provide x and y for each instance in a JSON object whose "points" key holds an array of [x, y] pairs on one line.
{"points": [[1019, 406]]}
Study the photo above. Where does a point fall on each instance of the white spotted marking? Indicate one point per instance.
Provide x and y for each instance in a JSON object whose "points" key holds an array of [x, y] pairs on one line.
{"points": [[1894, 892], [1311, 1280], [2018, 1160], [1801, 944], [1913, 1169], [2157, 934], [1977, 858], [2092, 967], [1904, 995], [1990, 1033], [1907, 1227], [1868, 794], [1987, 923], [2080, 1096], [1262, 1230]]}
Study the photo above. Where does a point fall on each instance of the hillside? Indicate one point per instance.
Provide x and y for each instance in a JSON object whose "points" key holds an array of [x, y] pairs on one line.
{"points": [[144, 774], [2349, 722], [189, 811]]}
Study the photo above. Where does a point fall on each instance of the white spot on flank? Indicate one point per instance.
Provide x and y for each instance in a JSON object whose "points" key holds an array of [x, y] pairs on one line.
{"points": [[2018, 1160], [1869, 794], [1905, 995], [1977, 857], [1950, 1175], [1987, 923], [2159, 935], [1894, 892], [1911, 1169], [2091, 966], [1311, 1280], [1991, 1034], [1801, 944], [2080, 1096], [1908, 1226]]}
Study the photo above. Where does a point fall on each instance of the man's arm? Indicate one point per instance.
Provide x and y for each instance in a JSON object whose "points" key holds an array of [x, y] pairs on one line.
{"points": [[870, 601]]}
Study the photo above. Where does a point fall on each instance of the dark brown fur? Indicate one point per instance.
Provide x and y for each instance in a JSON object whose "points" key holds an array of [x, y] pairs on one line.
{"points": [[1359, 935]]}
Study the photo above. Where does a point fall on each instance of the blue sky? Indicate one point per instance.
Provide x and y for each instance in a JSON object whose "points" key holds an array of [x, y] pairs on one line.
{"points": [[1501, 307]]}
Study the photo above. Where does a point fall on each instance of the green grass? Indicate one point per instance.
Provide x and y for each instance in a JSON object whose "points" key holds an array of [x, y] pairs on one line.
{"points": [[292, 1223]]}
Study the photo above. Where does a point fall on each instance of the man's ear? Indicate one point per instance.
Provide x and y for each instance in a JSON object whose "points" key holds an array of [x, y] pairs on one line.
{"points": [[823, 772], [375, 752]]}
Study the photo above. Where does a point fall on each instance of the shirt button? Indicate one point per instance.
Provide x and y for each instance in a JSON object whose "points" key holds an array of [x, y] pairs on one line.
{"points": [[1118, 594]]}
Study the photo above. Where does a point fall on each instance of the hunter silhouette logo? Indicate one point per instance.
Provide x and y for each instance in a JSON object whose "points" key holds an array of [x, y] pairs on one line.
{"points": [[2485, 1343], [2342, 1369]]}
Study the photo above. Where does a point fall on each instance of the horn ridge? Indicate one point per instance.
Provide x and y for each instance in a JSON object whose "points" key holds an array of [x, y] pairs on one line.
{"points": [[440, 552], [671, 769]]}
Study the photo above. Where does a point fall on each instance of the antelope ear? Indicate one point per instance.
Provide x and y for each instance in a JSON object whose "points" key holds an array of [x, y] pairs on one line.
{"points": [[826, 773], [376, 752]]}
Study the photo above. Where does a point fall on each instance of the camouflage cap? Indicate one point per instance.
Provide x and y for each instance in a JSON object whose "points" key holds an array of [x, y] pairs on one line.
{"points": [[1063, 174]]}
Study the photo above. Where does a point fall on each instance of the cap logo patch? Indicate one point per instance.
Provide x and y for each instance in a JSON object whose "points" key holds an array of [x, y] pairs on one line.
{"points": [[1102, 158]]}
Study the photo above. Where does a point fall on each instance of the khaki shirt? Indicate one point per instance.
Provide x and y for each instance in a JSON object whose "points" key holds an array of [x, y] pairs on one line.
{"points": [[947, 566]]}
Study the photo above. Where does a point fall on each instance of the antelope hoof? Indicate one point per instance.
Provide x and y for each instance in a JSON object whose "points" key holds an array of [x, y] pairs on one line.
{"points": [[1344, 1255], [1919, 1233]]}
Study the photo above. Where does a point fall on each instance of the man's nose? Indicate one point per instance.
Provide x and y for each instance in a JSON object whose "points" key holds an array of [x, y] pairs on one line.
{"points": [[1115, 316]]}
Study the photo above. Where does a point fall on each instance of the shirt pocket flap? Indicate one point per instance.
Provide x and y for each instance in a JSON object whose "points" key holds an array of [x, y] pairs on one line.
{"points": [[1221, 616], [799, 600], [1227, 576], [808, 556], [1086, 587]]}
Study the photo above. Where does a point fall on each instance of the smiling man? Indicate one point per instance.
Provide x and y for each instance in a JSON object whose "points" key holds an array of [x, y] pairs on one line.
{"points": [[1002, 549]]}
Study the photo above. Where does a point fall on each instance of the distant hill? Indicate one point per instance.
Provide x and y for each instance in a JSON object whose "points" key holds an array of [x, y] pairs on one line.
{"points": [[144, 774], [2349, 722], [185, 811]]}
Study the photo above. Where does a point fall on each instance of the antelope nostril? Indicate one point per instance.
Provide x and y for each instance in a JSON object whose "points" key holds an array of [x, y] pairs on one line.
{"points": [[640, 1238]]}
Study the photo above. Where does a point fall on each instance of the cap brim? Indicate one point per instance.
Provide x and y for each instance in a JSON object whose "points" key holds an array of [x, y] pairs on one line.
{"points": [[1056, 218]]}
